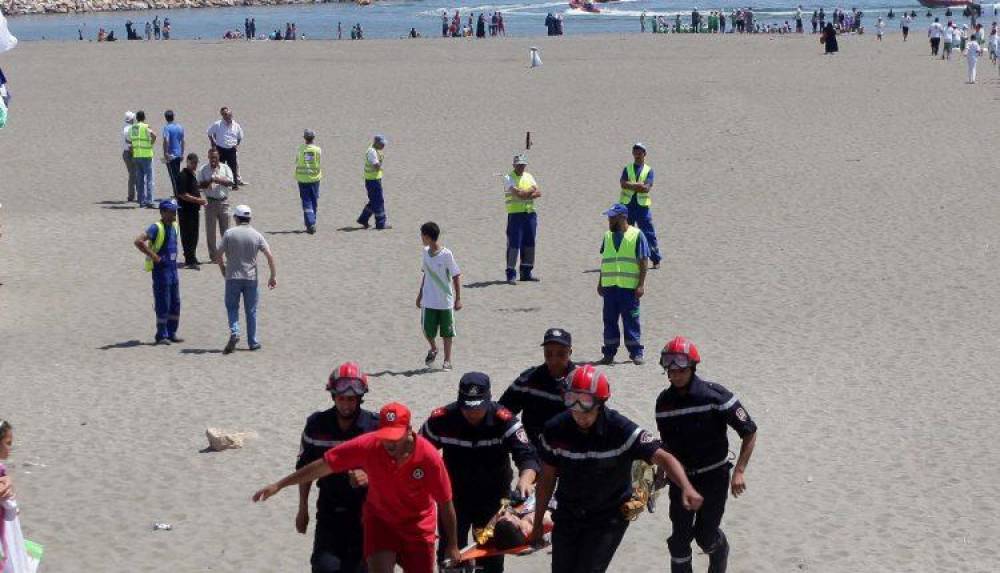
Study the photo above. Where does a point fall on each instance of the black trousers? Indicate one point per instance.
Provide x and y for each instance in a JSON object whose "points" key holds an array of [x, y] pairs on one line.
{"points": [[586, 546], [174, 170], [470, 515], [187, 219], [228, 156], [701, 526], [935, 46], [339, 544]]}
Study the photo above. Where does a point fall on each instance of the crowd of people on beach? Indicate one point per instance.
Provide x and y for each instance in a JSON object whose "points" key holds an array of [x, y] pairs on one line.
{"points": [[492, 23]]}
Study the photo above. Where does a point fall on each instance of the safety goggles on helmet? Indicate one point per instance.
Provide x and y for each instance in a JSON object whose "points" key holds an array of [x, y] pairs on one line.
{"points": [[348, 387], [673, 361], [580, 401]]}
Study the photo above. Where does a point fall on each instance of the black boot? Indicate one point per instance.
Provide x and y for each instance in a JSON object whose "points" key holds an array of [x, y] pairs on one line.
{"points": [[684, 567], [718, 559]]}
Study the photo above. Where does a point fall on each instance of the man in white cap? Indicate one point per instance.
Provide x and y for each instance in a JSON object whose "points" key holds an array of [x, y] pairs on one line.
{"points": [[237, 259], [373, 186], [520, 192], [127, 155]]}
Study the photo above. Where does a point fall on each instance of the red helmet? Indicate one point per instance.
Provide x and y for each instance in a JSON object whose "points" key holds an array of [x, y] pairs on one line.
{"points": [[589, 380], [680, 351], [348, 379]]}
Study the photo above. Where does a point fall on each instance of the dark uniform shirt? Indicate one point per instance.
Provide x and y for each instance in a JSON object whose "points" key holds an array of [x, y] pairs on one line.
{"points": [[187, 184], [693, 425], [595, 468], [537, 397], [478, 457], [322, 432]]}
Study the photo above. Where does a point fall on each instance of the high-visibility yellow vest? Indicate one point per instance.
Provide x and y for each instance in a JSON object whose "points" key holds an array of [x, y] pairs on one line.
{"points": [[307, 164], [620, 267], [521, 183], [626, 196], [142, 143], [370, 172], [157, 244]]}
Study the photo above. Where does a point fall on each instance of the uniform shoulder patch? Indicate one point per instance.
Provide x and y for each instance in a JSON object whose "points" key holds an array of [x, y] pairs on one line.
{"points": [[741, 414], [504, 414], [438, 412]]}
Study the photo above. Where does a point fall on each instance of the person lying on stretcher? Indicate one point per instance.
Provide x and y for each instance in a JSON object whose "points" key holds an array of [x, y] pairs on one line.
{"points": [[512, 529]]}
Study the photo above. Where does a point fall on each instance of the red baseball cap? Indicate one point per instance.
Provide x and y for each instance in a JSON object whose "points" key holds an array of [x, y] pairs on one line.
{"points": [[393, 421]]}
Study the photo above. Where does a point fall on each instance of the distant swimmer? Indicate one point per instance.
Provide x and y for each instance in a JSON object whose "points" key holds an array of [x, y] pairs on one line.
{"points": [[375, 206], [520, 192]]}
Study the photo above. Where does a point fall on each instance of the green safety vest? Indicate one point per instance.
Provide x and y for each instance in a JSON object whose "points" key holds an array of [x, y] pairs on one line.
{"points": [[142, 143], [620, 267], [626, 196], [157, 244], [522, 183], [307, 167], [370, 172]]}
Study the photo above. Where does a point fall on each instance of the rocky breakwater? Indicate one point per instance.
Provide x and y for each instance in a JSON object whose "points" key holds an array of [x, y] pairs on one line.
{"points": [[17, 7]]}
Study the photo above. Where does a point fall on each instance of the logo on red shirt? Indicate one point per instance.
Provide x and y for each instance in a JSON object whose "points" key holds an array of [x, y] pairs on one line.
{"points": [[418, 474]]}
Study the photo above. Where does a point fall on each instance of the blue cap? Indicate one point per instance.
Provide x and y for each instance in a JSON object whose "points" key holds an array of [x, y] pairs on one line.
{"points": [[616, 210], [168, 205], [473, 390], [380, 138]]}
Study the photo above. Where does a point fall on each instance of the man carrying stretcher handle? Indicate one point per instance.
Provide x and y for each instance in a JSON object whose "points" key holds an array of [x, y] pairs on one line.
{"points": [[590, 449], [406, 476]]}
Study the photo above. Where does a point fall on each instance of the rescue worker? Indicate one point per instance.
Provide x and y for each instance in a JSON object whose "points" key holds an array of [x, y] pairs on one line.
{"points": [[621, 283], [373, 185], [141, 138], [338, 544], [308, 173], [520, 192], [590, 450], [636, 183], [407, 482], [478, 438], [159, 244], [692, 415], [537, 394]]}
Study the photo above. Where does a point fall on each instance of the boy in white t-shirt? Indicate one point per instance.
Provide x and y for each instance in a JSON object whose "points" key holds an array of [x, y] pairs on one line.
{"points": [[440, 293]]}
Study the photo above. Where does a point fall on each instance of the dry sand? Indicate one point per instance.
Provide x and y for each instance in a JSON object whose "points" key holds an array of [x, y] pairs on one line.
{"points": [[830, 242]]}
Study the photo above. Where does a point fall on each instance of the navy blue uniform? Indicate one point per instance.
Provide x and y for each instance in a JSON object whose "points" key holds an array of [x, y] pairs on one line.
{"points": [[478, 462], [338, 545], [693, 428], [166, 284], [538, 397], [595, 479]]}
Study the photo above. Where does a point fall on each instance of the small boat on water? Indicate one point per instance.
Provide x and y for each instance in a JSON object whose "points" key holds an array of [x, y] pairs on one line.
{"points": [[586, 6]]}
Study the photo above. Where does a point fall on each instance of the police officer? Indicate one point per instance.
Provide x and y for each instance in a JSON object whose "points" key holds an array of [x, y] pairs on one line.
{"points": [[373, 185], [636, 182], [537, 393], [692, 415], [520, 192], [621, 283], [590, 450], [308, 173], [338, 543], [159, 244], [478, 438]]}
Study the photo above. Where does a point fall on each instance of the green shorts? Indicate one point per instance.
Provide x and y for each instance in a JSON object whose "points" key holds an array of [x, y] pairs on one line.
{"points": [[436, 320]]}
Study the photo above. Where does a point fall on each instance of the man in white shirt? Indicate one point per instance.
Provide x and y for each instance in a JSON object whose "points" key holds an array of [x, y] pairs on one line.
{"points": [[972, 51], [948, 38], [217, 179], [226, 135], [934, 33], [127, 155]]}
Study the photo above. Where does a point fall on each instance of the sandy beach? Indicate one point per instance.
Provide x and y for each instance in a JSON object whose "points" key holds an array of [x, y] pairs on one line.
{"points": [[830, 242]]}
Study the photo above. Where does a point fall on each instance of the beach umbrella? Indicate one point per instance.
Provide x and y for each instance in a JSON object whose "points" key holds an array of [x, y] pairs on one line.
{"points": [[7, 40]]}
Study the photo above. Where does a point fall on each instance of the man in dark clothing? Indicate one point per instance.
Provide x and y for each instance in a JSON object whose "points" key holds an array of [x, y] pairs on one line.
{"points": [[537, 394], [190, 201]]}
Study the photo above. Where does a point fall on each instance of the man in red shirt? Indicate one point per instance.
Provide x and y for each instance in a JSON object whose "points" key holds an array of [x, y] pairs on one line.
{"points": [[406, 476]]}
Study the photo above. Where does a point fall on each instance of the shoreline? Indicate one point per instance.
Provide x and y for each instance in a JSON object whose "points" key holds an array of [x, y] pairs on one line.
{"points": [[18, 8]]}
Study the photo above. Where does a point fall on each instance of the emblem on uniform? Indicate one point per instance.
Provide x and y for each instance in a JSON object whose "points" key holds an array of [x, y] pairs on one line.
{"points": [[741, 414], [391, 416], [521, 436], [474, 391], [645, 438], [418, 473], [556, 333]]}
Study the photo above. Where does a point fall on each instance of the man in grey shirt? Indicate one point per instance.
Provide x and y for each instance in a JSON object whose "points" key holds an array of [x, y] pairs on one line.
{"points": [[237, 258]]}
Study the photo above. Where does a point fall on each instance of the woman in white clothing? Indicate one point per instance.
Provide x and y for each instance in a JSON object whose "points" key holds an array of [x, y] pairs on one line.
{"points": [[972, 50], [14, 554]]}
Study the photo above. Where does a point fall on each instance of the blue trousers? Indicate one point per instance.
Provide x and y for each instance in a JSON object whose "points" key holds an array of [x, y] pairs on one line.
{"points": [[309, 193], [621, 303], [641, 217], [521, 230], [375, 205], [167, 303], [144, 180], [235, 288]]}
